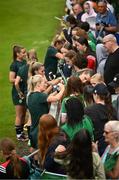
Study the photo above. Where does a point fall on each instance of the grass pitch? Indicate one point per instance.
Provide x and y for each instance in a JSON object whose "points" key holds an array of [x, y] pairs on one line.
{"points": [[30, 23]]}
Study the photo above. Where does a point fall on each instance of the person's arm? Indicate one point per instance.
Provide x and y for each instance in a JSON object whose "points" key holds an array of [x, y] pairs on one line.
{"points": [[110, 28], [17, 81], [54, 81], [59, 55], [50, 85], [56, 96], [48, 90], [49, 163], [114, 174], [112, 24], [12, 76], [59, 149], [98, 167]]}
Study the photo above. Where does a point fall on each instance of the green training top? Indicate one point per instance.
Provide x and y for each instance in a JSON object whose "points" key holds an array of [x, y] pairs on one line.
{"points": [[51, 60], [86, 123], [63, 109]]}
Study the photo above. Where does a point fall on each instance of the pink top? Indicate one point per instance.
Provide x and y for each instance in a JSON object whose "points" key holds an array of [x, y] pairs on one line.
{"points": [[89, 17]]}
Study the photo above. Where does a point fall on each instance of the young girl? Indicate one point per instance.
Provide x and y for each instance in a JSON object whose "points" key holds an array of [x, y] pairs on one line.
{"points": [[84, 49], [74, 88], [76, 120], [49, 137], [89, 15], [15, 167], [75, 61]]}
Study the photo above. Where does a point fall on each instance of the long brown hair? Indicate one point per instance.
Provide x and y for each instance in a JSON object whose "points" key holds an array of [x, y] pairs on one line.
{"points": [[71, 55], [8, 148], [79, 156], [16, 49], [74, 85], [108, 103], [48, 129]]}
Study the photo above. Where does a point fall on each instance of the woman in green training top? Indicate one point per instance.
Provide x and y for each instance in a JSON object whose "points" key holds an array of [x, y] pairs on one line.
{"points": [[38, 100], [19, 54], [52, 56], [110, 157], [76, 120]]}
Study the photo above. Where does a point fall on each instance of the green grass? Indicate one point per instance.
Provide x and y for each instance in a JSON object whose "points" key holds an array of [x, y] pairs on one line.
{"points": [[30, 23]]}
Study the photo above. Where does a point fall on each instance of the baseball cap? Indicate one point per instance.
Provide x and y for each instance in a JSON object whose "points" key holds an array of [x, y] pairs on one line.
{"points": [[115, 82], [100, 89]]}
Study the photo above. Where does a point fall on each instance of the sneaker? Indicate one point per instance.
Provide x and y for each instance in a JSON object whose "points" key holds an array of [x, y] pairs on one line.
{"points": [[22, 138], [25, 135]]}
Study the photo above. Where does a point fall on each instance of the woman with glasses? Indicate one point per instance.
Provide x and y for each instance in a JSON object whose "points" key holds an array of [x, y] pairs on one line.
{"points": [[110, 157]]}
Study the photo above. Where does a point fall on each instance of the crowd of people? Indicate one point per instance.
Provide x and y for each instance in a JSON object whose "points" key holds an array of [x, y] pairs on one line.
{"points": [[71, 99]]}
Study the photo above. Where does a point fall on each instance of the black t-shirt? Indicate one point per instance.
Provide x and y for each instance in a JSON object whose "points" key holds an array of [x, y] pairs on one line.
{"points": [[99, 115], [37, 105], [23, 74], [49, 163], [51, 60], [6, 170], [111, 66]]}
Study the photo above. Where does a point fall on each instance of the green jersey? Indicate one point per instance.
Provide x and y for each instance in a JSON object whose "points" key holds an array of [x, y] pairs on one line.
{"points": [[86, 123], [23, 74], [14, 67], [37, 105], [51, 60]]}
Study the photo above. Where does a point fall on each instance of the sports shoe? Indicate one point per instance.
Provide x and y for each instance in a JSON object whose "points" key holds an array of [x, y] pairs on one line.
{"points": [[25, 135], [22, 138]]}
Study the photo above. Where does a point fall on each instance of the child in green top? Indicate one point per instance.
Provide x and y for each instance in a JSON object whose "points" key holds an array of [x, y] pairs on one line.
{"points": [[76, 119], [73, 89]]}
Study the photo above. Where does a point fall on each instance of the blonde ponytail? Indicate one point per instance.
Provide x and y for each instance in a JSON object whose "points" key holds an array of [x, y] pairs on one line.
{"points": [[34, 67], [32, 82]]}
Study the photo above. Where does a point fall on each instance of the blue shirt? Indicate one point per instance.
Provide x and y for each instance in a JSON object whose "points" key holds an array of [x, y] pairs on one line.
{"points": [[108, 18]]}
